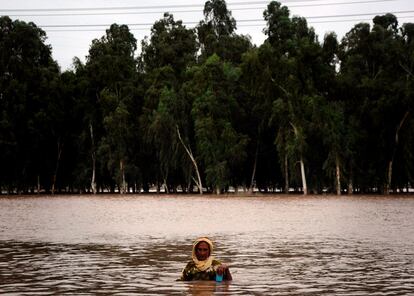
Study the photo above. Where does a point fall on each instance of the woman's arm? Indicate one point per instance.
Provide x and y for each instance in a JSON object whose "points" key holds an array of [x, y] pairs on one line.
{"points": [[186, 274], [225, 271]]}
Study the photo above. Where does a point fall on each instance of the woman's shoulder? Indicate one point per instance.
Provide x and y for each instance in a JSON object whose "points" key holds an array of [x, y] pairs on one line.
{"points": [[216, 262], [190, 264]]}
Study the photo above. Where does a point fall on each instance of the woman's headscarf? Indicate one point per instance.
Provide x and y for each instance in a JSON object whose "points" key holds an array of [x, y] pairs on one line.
{"points": [[204, 264]]}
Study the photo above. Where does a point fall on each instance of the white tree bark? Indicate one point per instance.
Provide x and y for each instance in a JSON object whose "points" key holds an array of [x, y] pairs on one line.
{"points": [[218, 191], [302, 171], [254, 170], [389, 173], [338, 176], [166, 186], [350, 182], [302, 165], [122, 189], [190, 154], [93, 155]]}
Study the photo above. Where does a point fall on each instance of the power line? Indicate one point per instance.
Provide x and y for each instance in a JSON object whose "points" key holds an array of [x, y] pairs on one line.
{"points": [[133, 7], [239, 21], [191, 11], [167, 6], [244, 26], [351, 20], [322, 22]]}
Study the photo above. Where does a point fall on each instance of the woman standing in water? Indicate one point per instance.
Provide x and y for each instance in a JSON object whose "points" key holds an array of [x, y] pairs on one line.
{"points": [[203, 266]]}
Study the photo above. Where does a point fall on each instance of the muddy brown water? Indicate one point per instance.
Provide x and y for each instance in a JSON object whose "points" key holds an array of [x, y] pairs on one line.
{"points": [[275, 245]]}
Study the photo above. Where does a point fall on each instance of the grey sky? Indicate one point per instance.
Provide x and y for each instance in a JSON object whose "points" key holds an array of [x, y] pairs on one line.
{"points": [[68, 42]]}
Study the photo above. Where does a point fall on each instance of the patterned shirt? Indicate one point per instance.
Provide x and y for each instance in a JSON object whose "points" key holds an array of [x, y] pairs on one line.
{"points": [[191, 273]]}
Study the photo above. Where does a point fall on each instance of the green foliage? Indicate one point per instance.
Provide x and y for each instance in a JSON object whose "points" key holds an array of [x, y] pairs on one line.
{"points": [[246, 116], [111, 82], [279, 28], [372, 69], [166, 56], [171, 44], [28, 96], [219, 145], [216, 34]]}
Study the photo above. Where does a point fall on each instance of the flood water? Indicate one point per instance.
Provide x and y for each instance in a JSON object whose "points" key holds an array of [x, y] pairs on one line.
{"points": [[275, 245]]}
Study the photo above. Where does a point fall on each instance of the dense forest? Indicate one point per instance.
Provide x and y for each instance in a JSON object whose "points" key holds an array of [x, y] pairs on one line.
{"points": [[203, 110]]}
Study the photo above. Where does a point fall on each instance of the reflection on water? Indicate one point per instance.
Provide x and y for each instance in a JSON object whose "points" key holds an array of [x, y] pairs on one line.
{"points": [[274, 245]]}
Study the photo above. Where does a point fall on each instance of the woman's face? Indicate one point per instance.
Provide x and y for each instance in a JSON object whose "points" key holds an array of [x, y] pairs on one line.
{"points": [[202, 251]]}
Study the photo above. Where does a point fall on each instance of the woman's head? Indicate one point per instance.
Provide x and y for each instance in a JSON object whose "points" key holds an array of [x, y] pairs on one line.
{"points": [[202, 251], [202, 248]]}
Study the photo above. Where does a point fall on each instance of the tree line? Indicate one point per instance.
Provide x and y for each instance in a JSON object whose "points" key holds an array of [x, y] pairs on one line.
{"points": [[203, 110]]}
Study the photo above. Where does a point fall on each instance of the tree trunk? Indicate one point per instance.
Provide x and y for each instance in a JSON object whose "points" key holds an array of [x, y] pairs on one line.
{"points": [[254, 168], [338, 176], [59, 153], [190, 154], [122, 188], [189, 185], [302, 165], [302, 171], [389, 178], [165, 178], [93, 155], [38, 184], [286, 168], [218, 191], [389, 173], [350, 182], [167, 190]]}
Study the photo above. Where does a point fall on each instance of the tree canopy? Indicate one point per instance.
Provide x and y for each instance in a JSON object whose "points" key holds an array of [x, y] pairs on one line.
{"points": [[203, 110]]}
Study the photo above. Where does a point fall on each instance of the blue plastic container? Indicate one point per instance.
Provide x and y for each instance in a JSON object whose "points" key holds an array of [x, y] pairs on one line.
{"points": [[219, 277]]}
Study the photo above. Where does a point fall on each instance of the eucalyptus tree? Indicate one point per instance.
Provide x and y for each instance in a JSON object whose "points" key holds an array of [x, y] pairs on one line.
{"points": [[256, 100], [168, 129], [298, 53], [73, 86], [278, 30], [330, 117], [161, 132], [155, 82], [219, 145], [217, 33], [54, 123], [171, 44], [406, 85], [166, 55], [389, 114], [403, 108], [392, 102], [336, 137], [372, 70], [28, 86], [353, 68], [111, 69]]}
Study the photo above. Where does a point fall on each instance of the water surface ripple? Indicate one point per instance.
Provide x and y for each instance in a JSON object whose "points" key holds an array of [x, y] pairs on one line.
{"points": [[112, 245]]}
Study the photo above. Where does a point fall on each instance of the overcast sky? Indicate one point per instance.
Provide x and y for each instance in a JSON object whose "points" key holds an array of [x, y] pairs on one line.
{"points": [[68, 22]]}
